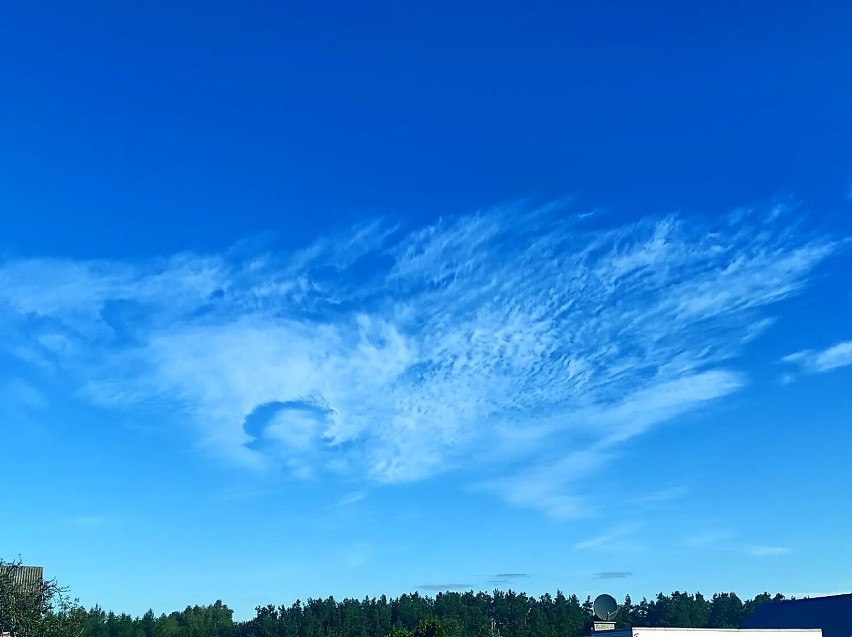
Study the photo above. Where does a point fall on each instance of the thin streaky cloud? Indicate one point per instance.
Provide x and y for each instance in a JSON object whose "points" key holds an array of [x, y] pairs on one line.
{"points": [[787, 378], [767, 551], [397, 353], [668, 494], [612, 575], [350, 498], [19, 392], [609, 539], [444, 587], [707, 539], [822, 361]]}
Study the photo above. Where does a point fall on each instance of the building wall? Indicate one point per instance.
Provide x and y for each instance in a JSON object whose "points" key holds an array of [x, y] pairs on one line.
{"points": [[726, 632]]}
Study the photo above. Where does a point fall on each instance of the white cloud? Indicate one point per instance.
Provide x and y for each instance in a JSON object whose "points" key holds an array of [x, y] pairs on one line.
{"points": [[351, 498], [661, 402], [548, 485], [669, 494], [19, 392], [767, 551], [714, 538], [508, 338], [618, 538], [818, 362]]}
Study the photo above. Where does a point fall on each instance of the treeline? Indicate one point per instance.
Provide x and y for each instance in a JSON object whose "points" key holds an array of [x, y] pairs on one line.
{"points": [[498, 614]]}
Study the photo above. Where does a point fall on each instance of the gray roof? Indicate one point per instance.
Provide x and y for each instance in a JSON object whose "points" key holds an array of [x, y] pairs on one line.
{"points": [[24, 576], [832, 613]]}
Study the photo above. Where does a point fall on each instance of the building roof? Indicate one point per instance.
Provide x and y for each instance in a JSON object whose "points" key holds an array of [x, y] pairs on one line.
{"points": [[832, 613], [24, 576]]}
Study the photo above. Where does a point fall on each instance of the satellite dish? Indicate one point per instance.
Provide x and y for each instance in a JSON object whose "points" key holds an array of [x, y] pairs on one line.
{"points": [[605, 607]]}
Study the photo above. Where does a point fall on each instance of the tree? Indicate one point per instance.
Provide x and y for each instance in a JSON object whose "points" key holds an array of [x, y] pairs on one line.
{"points": [[625, 613], [469, 614], [431, 627], [751, 605], [36, 609], [726, 611]]}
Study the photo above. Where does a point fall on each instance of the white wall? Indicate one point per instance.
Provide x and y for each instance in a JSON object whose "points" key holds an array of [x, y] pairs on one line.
{"points": [[726, 632]]}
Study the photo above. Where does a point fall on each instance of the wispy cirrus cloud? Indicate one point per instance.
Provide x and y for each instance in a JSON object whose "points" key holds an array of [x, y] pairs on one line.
{"points": [[821, 361], [668, 494], [20, 393], [713, 538], [620, 538], [350, 498], [760, 550], [728, 541], [393, 354]]}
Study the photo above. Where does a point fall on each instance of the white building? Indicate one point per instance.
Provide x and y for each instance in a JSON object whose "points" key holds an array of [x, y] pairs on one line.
{"points": [[710, 632]]}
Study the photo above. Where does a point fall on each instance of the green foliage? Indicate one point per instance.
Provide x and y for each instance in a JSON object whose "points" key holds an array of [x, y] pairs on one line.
{"points": [[726, 611], [50, 613], [498, 614], [38, 610], [431, 627]]}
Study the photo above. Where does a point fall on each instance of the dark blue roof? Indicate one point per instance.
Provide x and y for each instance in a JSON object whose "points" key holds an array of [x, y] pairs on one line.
{"points": [[833, 614]]}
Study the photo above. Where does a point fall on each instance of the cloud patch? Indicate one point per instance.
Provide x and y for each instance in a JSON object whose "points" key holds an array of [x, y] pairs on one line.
{"points": [[507, 578], [389, 354], [822, 361], [20, 393], [511, 576], [669, 494], [766, 551], [350, 499], [439, 588], [612, 575], [618, 539]]}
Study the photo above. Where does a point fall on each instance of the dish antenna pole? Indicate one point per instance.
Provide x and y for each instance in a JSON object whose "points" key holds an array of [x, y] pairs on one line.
{"points": [[606, 609]]}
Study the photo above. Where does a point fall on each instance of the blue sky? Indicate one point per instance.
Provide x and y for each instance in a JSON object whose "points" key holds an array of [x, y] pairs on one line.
{"points": [[308, 299]]}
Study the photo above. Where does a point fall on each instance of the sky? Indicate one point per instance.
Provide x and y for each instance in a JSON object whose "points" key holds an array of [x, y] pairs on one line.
{"points": [[312, 298]]}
